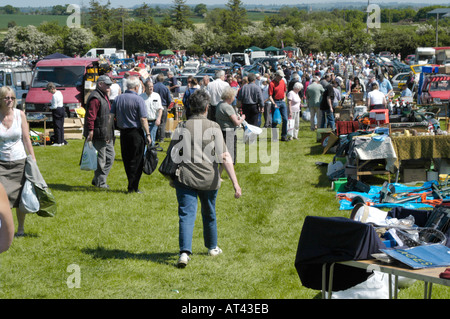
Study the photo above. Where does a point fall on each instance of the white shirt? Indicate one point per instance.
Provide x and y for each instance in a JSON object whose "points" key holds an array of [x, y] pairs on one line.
{"points": [[115, 89], [296, 101], [376, 97], [11, 142], [57, 100], [215, 90], [153, 104]]}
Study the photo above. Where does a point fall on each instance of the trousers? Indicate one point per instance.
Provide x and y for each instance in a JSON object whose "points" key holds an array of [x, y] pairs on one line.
{"points": [[132, 144], [187, 211], [105, 161], [58, 124]]}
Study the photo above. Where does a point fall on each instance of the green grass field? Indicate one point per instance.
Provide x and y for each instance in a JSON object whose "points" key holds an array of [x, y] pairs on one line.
{"points": [[126, 245], [24, 20]]}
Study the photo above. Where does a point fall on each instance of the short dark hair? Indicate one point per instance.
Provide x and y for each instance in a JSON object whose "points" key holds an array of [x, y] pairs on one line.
{"points": [[199, 101]]}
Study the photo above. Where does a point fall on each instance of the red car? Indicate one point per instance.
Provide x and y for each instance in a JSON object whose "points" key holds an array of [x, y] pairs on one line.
{"points": [[410, 59], [436, 86]]}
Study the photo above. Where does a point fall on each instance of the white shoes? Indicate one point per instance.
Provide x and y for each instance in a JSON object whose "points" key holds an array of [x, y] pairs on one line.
{"points": [[184, 257], [214, 252], [183, 260], [56, 144]]}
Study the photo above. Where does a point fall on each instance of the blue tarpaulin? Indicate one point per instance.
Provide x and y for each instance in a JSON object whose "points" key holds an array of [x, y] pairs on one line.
{"points": [[373, 196]]}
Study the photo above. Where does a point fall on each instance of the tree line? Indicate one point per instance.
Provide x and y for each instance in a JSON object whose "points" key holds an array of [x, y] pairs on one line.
{"points": [[230, 29]]}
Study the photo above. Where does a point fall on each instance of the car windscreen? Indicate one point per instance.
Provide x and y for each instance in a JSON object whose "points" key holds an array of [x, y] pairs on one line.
{"points": [[61, 76], [440, 85], [159, 70]]}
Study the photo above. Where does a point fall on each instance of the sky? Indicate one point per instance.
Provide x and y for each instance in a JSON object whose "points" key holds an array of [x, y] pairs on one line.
{"points": [[130, 3]]}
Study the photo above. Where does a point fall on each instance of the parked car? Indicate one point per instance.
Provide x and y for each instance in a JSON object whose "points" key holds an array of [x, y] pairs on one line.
{"points": [[71, 76], [210, 70], [385, 54], [189, 71], [164, 69], [18, 78], [410, 59], [436, 87], [399, 80]]}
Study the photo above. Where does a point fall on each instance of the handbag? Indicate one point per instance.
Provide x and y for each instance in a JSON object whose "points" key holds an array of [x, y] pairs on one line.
{"points": [[151, 159], [168, 167], [88, 160]]}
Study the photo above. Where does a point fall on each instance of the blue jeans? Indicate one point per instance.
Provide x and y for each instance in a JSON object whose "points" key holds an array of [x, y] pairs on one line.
{"points": [[281, 104], [328, 116], [187, 212], [153, 129]]}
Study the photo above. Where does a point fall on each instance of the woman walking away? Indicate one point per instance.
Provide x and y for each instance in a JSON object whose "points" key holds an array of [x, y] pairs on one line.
{"points": [[15, 143], [228, 120], [198, 175]]}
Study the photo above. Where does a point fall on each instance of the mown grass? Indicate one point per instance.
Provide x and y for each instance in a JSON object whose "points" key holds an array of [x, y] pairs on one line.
{"points": [[126, 245]]}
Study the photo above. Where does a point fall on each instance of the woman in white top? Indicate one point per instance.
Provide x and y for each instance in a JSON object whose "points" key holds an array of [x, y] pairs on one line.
{"points": [[15, 143], [58, 112], [294, 103], [375, 98]]}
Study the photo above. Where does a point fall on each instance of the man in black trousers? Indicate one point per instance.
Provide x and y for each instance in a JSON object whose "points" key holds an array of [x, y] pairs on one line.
{"points": [[131, 115]]}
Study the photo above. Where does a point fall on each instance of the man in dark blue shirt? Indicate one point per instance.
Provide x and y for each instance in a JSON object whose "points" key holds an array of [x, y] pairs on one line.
{"points": [[131, 115], [166, 99]]}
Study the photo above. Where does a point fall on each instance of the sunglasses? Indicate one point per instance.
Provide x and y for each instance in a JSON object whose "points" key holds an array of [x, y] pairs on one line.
{"points": [[9, 98]]}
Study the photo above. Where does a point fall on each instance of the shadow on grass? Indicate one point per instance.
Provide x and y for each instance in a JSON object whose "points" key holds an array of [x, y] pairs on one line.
{"points": [[105, 253], [316, 150], [30, 235], [324, 181], [78, 188]]}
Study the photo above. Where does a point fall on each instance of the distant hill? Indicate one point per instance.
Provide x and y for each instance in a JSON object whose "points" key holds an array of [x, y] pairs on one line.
{"points": [[316, 5]]}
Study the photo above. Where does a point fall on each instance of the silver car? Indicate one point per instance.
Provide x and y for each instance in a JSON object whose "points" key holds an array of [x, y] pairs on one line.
{"points": [[399, 78]]}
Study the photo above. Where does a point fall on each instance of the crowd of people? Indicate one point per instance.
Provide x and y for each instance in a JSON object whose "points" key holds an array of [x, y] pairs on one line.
{"points": [[139, 108]]}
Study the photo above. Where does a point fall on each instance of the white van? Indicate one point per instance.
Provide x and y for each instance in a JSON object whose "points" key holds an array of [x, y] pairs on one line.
{"points": [[425, 55], [96, 52], [18, 78], [241, 58]]}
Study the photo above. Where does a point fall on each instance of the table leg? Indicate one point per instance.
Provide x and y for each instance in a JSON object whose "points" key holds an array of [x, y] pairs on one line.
{"points": [[330, 283], [390, 286], [45, 130], [324, 280], [396, 288], [427, 290]]}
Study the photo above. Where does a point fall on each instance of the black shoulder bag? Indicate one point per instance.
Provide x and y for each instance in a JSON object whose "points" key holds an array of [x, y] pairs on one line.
{"points": [[168, 167]]}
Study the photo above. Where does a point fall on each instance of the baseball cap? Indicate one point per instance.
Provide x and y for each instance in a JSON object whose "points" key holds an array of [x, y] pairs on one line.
{"points": [[104, 78], [279, 73]]}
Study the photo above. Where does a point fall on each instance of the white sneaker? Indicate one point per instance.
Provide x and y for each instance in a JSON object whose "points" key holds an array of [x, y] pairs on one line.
{"points": [[183, 260], [214, 252], [56, 144]]}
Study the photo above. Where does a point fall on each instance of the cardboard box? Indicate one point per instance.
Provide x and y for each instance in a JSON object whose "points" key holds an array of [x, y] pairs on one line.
{"points": [[171, 124], [321, 133], [414, 175], [73, 128], [444, 69]]}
